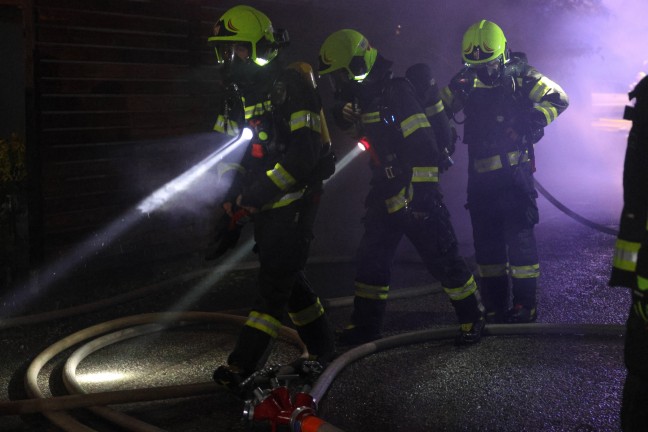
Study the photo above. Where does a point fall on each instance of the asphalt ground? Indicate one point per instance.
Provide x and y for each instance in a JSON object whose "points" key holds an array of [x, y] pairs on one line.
{"points": [[525, 382]]}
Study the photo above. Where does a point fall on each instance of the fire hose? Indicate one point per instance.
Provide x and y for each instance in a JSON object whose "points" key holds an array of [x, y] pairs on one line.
{"points": [[578, 218]]}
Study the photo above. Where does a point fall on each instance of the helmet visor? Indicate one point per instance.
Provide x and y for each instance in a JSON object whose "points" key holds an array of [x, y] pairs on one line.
{"points": [[265, 51], [488, 72], [358, 68], [228, 51], [490, 65]]}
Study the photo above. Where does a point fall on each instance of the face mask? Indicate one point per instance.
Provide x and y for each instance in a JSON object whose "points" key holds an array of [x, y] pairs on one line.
{"points": [[489, 72]]}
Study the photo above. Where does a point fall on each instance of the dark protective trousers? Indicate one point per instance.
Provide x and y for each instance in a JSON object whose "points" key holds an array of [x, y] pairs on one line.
{"points": [[283, 238], [503, 232], [634, 404], [432, 235]]}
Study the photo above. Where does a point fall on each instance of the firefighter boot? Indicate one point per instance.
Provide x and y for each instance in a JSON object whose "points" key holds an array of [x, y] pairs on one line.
{"points": [[471, 314], [520, 314], [470, 333], [249, 354], [231, 378], [494, 294], [524, 301], [353, 335], [318, 337], [366, 322]]}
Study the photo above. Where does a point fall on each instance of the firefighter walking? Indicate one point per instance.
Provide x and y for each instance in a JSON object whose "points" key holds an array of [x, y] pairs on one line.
{"points": [[506, 104], [277, 182], [404, 199]]}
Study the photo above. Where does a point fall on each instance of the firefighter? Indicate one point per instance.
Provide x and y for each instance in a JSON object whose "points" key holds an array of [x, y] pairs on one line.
{"points": [[506, 105], [630, 264], [404, 198], [277, 183]]}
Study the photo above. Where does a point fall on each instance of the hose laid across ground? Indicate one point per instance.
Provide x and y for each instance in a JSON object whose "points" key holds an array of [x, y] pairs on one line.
{"points": [[330, 373], [572, 214], [52, 407]]}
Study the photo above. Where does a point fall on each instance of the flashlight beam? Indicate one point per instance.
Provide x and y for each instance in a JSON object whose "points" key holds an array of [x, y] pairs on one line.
{"points": [[58, 269], [241, 251], [346, 160], [161, 196]]}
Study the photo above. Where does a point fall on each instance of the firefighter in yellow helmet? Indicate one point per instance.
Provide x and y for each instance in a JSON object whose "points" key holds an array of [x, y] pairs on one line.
{"points": [[383, 112], [507, 104], [276, 180], [630, 265]]}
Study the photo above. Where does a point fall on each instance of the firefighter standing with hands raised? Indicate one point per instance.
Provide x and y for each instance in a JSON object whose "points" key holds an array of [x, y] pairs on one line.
{"points": [[506, 104]]}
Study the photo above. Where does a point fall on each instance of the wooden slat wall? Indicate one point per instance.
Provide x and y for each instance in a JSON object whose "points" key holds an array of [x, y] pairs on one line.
{"points": [[121, 86]]}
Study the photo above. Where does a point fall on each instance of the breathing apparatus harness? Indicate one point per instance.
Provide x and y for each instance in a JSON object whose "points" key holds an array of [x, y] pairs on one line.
{"points": [[385, 159], [267, 140], [381, 158]]}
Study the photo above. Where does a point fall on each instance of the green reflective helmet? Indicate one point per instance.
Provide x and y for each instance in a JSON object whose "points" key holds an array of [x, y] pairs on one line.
{"points": [[347, 49], [484, 42], [246, 26]]}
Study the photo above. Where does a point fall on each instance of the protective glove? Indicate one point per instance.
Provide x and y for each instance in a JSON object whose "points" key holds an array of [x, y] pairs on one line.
{"points": [[528, 129], [350, 114], [462, 84], [532, 135], [347, 119], [228, 231], [640, 304]]}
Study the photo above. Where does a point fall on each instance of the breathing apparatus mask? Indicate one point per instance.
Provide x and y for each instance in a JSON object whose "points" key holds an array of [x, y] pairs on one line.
{"points": [[490, 72]]}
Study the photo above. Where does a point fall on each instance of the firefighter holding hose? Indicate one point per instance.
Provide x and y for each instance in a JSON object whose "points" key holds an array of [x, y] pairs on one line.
{"points": [[276, 182]]}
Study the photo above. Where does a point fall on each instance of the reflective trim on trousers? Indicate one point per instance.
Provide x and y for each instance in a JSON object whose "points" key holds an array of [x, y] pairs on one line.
{"points": [[492, 270], [264, 323], [495, 162], [462, 292], [425, 174], [525, 272], [401, 200], [307, 315], [285, 200], [371, 292], [625, 255]]}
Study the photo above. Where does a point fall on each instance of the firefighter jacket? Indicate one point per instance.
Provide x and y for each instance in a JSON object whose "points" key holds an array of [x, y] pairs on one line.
{"points": [[432, 104], [284, 156], [504, 120], [404, 153], [630, 262]]}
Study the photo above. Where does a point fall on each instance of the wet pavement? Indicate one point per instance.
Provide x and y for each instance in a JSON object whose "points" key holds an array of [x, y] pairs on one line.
{"points": [[508, 382]]}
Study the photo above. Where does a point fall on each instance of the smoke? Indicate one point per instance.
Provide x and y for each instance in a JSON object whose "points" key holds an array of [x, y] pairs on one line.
{"points": [[597, 57], [593, 50]]}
